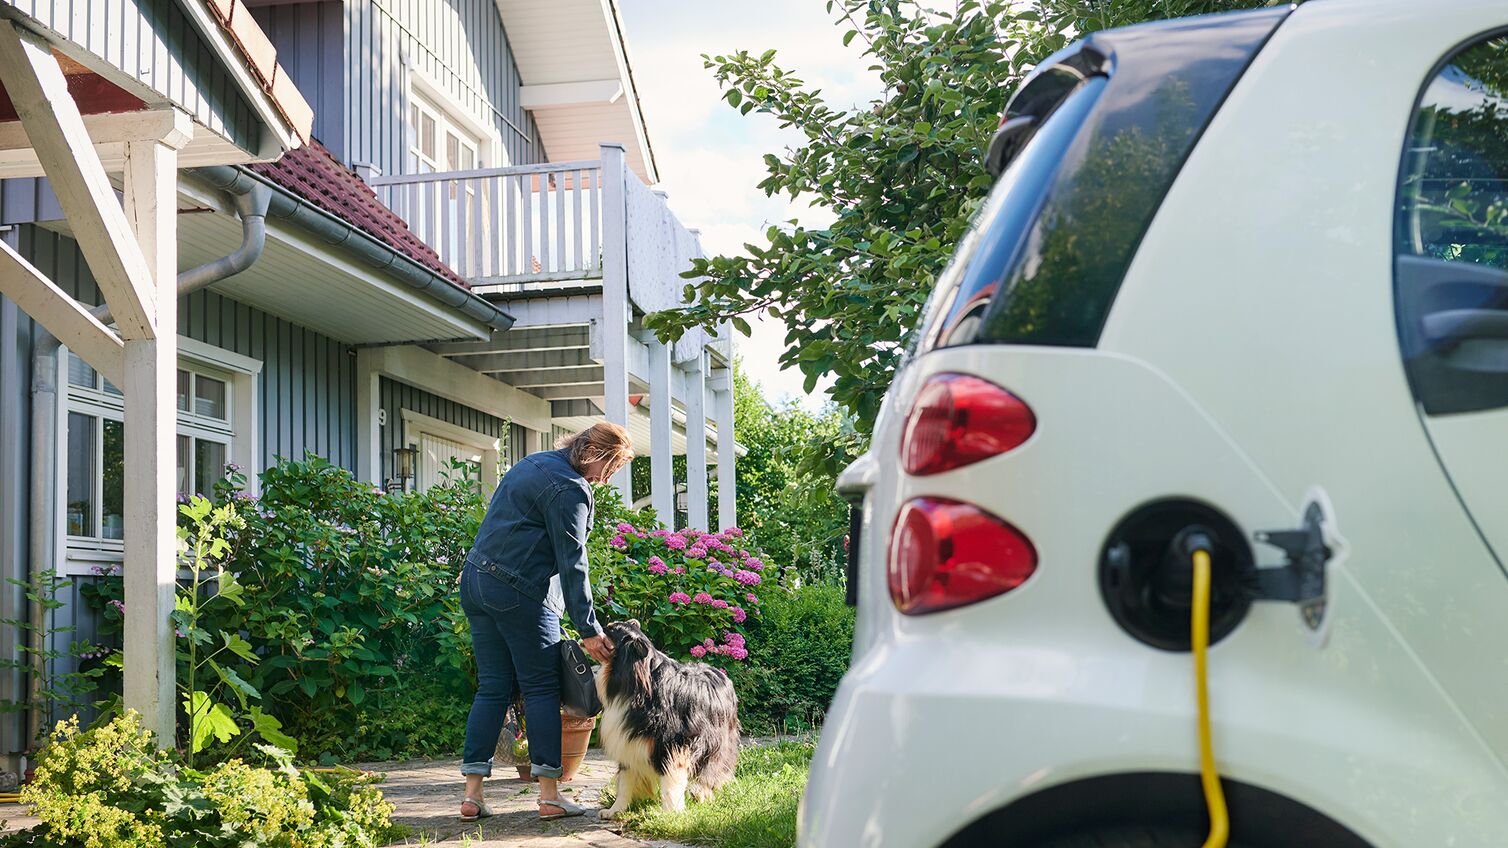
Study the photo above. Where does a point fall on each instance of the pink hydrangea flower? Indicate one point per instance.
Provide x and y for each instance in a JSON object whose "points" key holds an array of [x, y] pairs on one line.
{"points": [[720, 603], [709, 644], [733, 638], [747, 578], [755, 563], [680, 598], [618, 542], [738, 653], [657, 568], [659, 534], [625, 527], [697, 552], [678, 570], [739, 615], [733, 531], [751, 598], [698, 651], [702, 598], [675, 543]]}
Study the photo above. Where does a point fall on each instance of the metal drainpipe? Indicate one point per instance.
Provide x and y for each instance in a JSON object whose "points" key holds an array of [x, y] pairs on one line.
{"points": [[251, 201]]}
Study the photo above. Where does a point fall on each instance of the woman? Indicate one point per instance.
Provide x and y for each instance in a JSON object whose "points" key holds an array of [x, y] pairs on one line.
{"points": [[535, 531]]}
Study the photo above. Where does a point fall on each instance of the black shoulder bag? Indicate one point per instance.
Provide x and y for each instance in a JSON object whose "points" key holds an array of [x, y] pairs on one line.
{"points": [[578, 685]]}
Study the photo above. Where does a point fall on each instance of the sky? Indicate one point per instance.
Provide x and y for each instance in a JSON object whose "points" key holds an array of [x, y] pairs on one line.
{"points": [[710, 157]]}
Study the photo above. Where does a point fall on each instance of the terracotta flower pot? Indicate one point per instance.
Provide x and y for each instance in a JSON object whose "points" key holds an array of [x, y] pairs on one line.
{"points": [[575, 736]]}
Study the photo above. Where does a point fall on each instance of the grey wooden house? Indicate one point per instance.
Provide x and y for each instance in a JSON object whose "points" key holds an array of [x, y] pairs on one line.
{"points": [[396, 233]]}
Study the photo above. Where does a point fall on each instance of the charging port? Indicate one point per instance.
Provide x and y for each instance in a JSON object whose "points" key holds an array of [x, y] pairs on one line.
{"points": [[1146, 580]]}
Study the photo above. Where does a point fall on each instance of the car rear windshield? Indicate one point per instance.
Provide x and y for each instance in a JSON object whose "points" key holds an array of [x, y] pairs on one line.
{"points": [[1043, 260]]}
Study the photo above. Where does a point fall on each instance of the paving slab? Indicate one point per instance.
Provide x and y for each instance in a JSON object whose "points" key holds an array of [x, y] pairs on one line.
{"points": [[427, 798]]}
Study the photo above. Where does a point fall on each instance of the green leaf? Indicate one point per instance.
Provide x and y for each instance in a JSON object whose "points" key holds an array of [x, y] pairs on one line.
{"points": [[208, 718], [849, 36], [269, 728], [237, 684], [355, 692], [734, 96], [238, 646]]}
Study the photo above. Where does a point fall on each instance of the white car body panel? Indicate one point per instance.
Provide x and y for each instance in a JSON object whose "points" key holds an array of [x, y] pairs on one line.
{"points": [[1251, 357]]}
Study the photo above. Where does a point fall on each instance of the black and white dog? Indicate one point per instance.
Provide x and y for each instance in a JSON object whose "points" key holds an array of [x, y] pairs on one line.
{"points": [[668, 724]]}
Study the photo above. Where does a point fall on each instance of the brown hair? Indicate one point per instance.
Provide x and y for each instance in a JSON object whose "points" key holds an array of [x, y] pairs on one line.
{"points": [[599, 441]]}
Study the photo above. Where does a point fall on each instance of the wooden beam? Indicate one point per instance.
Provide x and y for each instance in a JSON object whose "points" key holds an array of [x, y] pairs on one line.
{"points": [[696, 445], [527, 360], [109, 134], [549, 338], [591, 375], [151, 442], [616, 311], [50, 306], [61, 140], [558, 94], [661, 433], [168, 124]]}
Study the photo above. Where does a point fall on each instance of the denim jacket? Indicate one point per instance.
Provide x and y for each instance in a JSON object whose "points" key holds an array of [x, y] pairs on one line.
{"points": [[534, 536]]}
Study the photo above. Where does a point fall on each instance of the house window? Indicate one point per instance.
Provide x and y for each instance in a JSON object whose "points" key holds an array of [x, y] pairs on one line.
{"points": [[441, 142], [207, 441]]}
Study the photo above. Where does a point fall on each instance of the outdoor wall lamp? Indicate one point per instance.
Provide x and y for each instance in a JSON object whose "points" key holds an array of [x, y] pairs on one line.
{"points": [[404, 461]]}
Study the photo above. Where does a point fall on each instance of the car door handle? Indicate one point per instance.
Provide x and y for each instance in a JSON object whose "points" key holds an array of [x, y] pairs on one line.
{"points": [[1450, 327]]}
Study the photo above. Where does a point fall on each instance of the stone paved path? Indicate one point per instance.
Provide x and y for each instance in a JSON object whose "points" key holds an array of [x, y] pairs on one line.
{"points": [[427, 795]]}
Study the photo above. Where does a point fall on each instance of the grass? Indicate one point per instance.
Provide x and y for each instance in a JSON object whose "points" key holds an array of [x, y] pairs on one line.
{"points": [[756, 810]]}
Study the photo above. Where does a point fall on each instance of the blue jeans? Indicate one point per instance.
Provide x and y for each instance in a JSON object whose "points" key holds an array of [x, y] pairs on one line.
{"points": [[514, 639]]}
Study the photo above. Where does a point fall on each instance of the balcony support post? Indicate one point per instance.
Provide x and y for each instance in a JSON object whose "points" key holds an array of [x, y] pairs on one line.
{"points": [[616, 309]]}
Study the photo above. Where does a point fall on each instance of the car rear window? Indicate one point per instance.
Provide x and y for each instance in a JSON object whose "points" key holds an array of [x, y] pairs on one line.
{"points": [[1451, 280], [1047, 254]]}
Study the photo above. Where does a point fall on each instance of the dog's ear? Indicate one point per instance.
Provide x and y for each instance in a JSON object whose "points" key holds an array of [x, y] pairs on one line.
{"points": [[636, 624]]}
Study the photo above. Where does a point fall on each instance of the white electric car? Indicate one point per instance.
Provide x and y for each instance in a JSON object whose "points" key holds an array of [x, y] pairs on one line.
{"points": [[1246, 273]]}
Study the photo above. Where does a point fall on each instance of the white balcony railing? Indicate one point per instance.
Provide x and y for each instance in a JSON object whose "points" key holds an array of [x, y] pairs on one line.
{"points": [[514, 225]]}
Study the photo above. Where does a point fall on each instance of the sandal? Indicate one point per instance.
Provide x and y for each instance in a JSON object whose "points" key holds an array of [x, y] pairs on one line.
{"points": [[481, 810], [568, 810]]}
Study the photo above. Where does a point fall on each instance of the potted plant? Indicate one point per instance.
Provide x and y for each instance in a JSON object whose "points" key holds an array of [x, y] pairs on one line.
{"points": [[513, 743]]}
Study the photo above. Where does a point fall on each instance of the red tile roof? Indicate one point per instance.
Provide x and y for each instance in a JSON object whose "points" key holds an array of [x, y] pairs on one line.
{"points": [[318, 177]]}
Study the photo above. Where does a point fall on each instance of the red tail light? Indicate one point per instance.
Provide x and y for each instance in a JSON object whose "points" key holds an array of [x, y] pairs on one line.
{"points": [[946, 554], [958, 419]]}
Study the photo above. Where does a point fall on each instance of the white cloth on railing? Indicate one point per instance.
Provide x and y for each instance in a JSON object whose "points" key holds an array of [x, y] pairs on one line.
{"points": [[659, 249]]}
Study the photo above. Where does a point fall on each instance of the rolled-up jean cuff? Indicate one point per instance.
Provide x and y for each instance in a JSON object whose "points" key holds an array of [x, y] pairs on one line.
{"points": [[483, 769], [547, 771]]}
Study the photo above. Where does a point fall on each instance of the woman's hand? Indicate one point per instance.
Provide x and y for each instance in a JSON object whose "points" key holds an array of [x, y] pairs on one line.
{"points": [[600, 647]]}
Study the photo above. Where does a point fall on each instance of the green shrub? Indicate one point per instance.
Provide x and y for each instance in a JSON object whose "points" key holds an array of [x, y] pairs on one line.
{"points": [[110, 787], [799, 649], [349, 607]]}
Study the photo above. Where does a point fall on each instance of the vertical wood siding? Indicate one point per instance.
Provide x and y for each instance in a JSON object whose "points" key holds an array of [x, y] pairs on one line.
{"points": [[458, 45], [311, 43], [152, 41]]}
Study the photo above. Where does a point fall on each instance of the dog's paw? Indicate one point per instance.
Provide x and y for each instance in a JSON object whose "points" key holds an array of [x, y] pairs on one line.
{"points": [[606, 815]]}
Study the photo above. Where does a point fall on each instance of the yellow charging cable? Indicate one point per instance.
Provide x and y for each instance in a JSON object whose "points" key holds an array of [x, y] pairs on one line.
{"points": [[1214, 796]]}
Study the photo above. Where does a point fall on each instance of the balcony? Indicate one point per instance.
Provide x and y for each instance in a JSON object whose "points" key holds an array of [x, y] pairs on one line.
{"points": [[578, 252], [507, 226]]}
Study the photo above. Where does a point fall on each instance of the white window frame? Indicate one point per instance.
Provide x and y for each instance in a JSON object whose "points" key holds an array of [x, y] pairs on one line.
{"points": [[238, 431], [450, 117], [489, 447]]}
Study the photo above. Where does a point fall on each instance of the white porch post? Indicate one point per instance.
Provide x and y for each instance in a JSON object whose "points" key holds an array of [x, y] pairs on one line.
{"points": [[616, 310], [727, 480], [696, 442], [368, 418], [661, 478], [150, 571]]}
